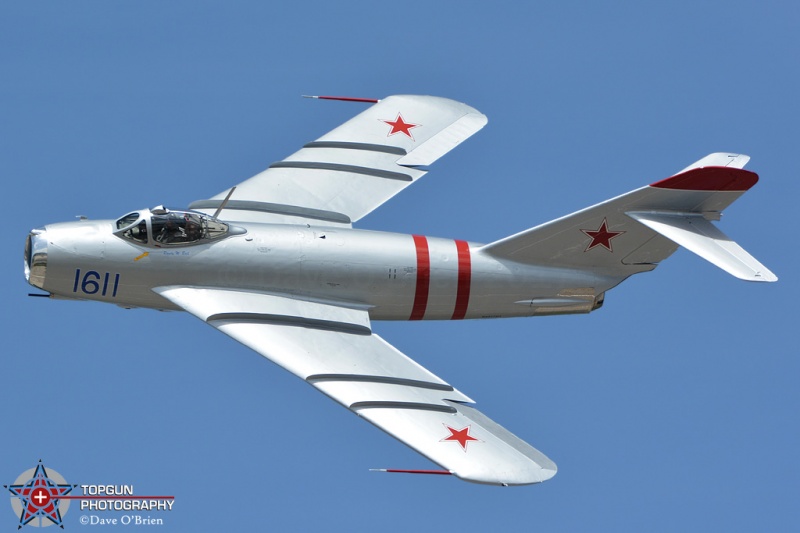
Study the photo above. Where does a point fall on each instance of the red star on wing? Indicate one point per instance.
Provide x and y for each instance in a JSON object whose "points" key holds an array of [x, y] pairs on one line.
{"points": [[400, 126], [460, 436], [601, 236]]}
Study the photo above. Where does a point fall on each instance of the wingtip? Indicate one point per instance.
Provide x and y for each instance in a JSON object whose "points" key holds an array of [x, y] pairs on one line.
{"points": [[549, 473], [763, 276]]}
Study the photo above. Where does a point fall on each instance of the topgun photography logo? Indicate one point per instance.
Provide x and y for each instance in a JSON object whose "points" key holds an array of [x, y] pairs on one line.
{"points": [[41, 498], [39, 501]]}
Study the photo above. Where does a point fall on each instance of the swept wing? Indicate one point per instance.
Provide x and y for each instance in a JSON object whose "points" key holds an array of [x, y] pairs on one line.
{"points": [[332, 347], [348, 172]]}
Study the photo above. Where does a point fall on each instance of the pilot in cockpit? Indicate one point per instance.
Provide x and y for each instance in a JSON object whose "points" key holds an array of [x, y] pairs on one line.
{"points": [[171, 232]]}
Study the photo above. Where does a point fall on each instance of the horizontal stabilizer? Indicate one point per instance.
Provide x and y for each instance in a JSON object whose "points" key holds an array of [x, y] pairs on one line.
{"points": [[695, 233]]}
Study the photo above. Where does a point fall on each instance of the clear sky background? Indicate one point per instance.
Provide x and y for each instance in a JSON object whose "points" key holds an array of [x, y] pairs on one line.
{"points": [[674, 408]]}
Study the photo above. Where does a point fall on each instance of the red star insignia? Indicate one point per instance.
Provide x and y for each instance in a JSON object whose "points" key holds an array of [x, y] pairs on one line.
{"points": [[400, 126], [601, 236], [460, 436]]}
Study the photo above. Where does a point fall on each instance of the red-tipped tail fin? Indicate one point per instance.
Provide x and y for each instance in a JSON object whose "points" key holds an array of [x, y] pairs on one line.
{"points": [[710, 179], [633, 232]]}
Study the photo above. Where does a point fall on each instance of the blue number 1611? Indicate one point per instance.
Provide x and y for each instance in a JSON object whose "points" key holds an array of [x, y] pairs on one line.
{"points": [[93, 282]]}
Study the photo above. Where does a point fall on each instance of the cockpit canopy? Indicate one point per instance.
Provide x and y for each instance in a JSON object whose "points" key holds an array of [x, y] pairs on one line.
{"points": [[166, 227]]}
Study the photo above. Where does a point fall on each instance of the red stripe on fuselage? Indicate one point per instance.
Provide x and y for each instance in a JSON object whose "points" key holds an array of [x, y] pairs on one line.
{"points": [[464, 280], [423, 278]]}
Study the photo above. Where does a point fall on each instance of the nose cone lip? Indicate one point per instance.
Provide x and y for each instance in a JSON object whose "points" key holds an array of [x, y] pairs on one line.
{"points": [[36, 257]]}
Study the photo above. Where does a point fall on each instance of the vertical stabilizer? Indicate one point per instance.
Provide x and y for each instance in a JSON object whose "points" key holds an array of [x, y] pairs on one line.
{"points": [[645, 226]]}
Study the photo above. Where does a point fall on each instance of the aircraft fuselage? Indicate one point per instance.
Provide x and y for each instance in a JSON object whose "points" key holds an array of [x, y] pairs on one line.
{"points": [[394, 276]]}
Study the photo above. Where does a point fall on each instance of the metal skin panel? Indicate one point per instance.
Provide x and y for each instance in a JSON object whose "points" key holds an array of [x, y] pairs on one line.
{"points": [[283, 272]]}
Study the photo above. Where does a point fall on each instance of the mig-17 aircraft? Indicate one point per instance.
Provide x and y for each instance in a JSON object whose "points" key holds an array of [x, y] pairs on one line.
{"points": [[275, 263]]}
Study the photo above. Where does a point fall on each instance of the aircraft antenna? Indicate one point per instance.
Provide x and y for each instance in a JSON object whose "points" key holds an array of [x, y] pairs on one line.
{"points": [[344, 99], [404, 471], [224, 202]]}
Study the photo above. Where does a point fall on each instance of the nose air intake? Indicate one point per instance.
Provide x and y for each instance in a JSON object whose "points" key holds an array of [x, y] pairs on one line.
{"points": [[36, 258]]}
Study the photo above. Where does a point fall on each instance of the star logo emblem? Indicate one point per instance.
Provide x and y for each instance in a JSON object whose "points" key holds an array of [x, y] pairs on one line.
{"points": [[400, 126], [601, 236], [39, 497], [461, 436]]}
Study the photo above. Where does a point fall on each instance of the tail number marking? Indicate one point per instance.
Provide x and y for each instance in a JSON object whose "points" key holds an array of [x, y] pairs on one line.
{"points": [[93, 282]]}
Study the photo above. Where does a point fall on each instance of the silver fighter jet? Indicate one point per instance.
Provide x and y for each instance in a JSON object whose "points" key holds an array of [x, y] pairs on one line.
{"points": [[275, 263]]}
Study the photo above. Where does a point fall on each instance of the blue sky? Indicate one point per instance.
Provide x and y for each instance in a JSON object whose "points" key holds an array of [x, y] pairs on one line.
{"points": [[672, 408]]}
